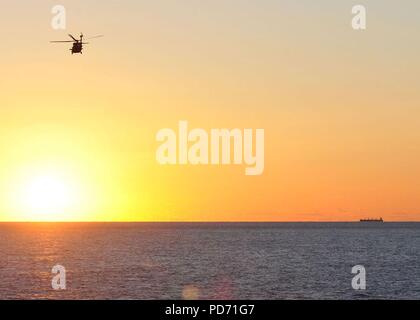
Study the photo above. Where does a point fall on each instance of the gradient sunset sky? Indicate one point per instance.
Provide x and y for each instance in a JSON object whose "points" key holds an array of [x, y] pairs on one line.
{"points": [[340, 108]]}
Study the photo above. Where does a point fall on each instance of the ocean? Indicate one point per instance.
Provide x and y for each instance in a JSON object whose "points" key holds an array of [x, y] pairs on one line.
{"points": [[210, 260]]}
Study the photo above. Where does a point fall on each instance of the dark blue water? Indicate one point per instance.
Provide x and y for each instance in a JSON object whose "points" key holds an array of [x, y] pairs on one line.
{"points": [[210, 261]]}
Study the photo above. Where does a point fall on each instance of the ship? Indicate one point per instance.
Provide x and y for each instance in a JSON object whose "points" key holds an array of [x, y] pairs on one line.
{"points": [[372, 220]]}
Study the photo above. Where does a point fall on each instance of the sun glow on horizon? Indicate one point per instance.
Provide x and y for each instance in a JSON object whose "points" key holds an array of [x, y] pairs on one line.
{"points": [[46, 196]]}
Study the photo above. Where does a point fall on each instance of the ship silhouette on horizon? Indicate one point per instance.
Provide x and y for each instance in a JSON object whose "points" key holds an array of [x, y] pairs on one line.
{"points": [[372, 220]]}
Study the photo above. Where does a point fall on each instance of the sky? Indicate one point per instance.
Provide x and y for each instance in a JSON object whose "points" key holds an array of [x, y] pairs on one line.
{"points": [[340, 110]]}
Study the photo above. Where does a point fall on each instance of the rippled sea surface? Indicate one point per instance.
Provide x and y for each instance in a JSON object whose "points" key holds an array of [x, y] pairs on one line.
{"points": [[210, 261]]}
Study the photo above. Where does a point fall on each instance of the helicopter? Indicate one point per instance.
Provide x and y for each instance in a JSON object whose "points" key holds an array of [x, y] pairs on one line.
{"points": [[77, 44]]}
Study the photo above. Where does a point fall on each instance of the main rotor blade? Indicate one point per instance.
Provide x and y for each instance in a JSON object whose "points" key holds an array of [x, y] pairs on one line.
{"points": [[60, 41], [100, 36], [73, 38]]}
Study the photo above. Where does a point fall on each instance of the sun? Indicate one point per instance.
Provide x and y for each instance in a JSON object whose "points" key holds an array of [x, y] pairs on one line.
{"points": [[47, 197], [47, 194]]}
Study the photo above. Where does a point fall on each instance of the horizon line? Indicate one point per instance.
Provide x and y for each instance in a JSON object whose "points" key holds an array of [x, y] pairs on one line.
{"points": [[214, 222]]}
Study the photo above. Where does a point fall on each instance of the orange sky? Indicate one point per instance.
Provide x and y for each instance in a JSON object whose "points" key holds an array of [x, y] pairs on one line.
{"points": [[339, 109]]}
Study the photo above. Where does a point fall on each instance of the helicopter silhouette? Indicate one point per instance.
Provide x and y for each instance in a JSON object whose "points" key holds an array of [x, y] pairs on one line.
{"points": [[77, 44]]}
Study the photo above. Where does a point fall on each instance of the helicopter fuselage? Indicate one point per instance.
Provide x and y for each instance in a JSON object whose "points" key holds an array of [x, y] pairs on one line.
{"points": [[77, 48]]}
